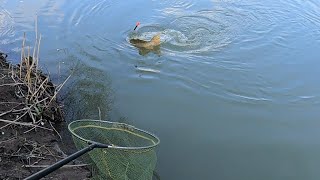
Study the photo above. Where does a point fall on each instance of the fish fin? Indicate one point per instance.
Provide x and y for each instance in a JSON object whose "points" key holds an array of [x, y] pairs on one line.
{"points": [[156, 39]]}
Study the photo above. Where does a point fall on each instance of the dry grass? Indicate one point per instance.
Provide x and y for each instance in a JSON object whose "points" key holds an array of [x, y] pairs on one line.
{"points": [[40, 95], [28, 111]]}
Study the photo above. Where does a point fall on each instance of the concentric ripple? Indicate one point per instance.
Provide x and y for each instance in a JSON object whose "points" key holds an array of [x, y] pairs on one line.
{"points": [[182, 35], [208, 30]]}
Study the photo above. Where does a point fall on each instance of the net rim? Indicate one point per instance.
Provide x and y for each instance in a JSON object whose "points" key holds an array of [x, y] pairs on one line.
{"points": [[156, 143]]}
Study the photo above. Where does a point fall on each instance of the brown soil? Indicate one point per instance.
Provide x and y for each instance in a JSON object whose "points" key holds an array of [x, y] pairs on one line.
{"points": [[25, 149]]}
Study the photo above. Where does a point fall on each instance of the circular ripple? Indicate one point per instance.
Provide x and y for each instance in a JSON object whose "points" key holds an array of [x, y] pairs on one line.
{"points": [[195, 33], [210, 30]]}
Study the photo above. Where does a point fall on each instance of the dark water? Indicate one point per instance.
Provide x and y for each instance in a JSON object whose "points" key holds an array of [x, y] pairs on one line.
{"points": [[233, 94]]}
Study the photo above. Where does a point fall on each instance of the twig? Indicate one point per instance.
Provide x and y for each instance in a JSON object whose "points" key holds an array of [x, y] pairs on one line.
{"points": [[22, 52], [29, 130], [55, 94], [51, 153], [24, 113], [19, 88], [41, 85], [8, 140], [36, 162], [11, 84], [11, 103], [4, 113], [15, 120], [27, 77], [65, 166], [32, 117], [24, 124], [55, 130], [23, 155], [36, 41], [37, 63], [3, 76], [13, 111], [32, 128]]}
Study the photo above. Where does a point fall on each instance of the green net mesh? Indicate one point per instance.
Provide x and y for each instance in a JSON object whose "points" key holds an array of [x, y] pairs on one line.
{"points": [[131, 156]]}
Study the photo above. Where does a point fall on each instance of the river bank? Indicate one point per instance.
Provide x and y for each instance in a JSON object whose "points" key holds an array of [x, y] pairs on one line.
{"points": [[30, 121]]}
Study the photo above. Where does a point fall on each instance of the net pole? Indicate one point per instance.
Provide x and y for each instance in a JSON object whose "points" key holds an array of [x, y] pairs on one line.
{"points": [[59, 164]]}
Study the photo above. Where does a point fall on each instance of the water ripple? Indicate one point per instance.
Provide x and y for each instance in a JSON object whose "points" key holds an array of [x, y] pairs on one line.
{"points": [[177, 4], [83, 11], [6, 23], [307, 12], [210, 30]]}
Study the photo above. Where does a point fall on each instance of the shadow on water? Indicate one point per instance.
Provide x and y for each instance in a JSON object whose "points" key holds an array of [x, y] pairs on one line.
{"points": [[89, 94], [144, 51], [81, 103]]}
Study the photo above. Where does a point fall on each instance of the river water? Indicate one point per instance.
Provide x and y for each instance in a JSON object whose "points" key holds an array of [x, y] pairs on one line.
{"points": [[233, 93]]}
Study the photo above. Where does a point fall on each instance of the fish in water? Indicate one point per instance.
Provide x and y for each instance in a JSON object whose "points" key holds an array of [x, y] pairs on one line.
{"points": [[144, 69], [154, 42], [147, 46]]}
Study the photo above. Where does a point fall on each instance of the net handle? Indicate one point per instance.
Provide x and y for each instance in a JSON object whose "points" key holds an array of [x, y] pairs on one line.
{"points": [[62, 162]]}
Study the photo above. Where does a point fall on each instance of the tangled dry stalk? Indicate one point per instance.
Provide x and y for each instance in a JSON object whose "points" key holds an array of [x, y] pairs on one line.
{"points": [[40, 95], [28, 111]]}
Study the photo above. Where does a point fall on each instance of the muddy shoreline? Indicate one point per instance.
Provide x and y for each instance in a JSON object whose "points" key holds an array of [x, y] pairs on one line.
{"points": [[30, 125]]}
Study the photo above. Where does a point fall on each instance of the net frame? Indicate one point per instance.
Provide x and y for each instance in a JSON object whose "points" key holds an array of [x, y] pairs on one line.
{"points": [[136, 171], [117, 125], [131, 157]]}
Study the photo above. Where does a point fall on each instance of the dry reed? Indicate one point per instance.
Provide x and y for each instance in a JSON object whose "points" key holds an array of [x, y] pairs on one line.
{"points": [[35, 88]]}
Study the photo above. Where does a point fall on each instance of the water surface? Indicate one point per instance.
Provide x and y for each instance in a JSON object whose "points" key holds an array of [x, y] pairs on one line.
{"points": [[233, 93]]}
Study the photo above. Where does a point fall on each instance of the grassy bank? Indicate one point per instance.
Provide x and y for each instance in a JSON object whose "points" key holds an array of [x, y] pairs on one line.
{"points": [[29, 115]]}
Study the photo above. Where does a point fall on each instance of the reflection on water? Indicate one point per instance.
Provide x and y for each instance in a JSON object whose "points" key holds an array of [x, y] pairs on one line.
{"points": [[232, 91], [89, 95], [145, 51]]}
